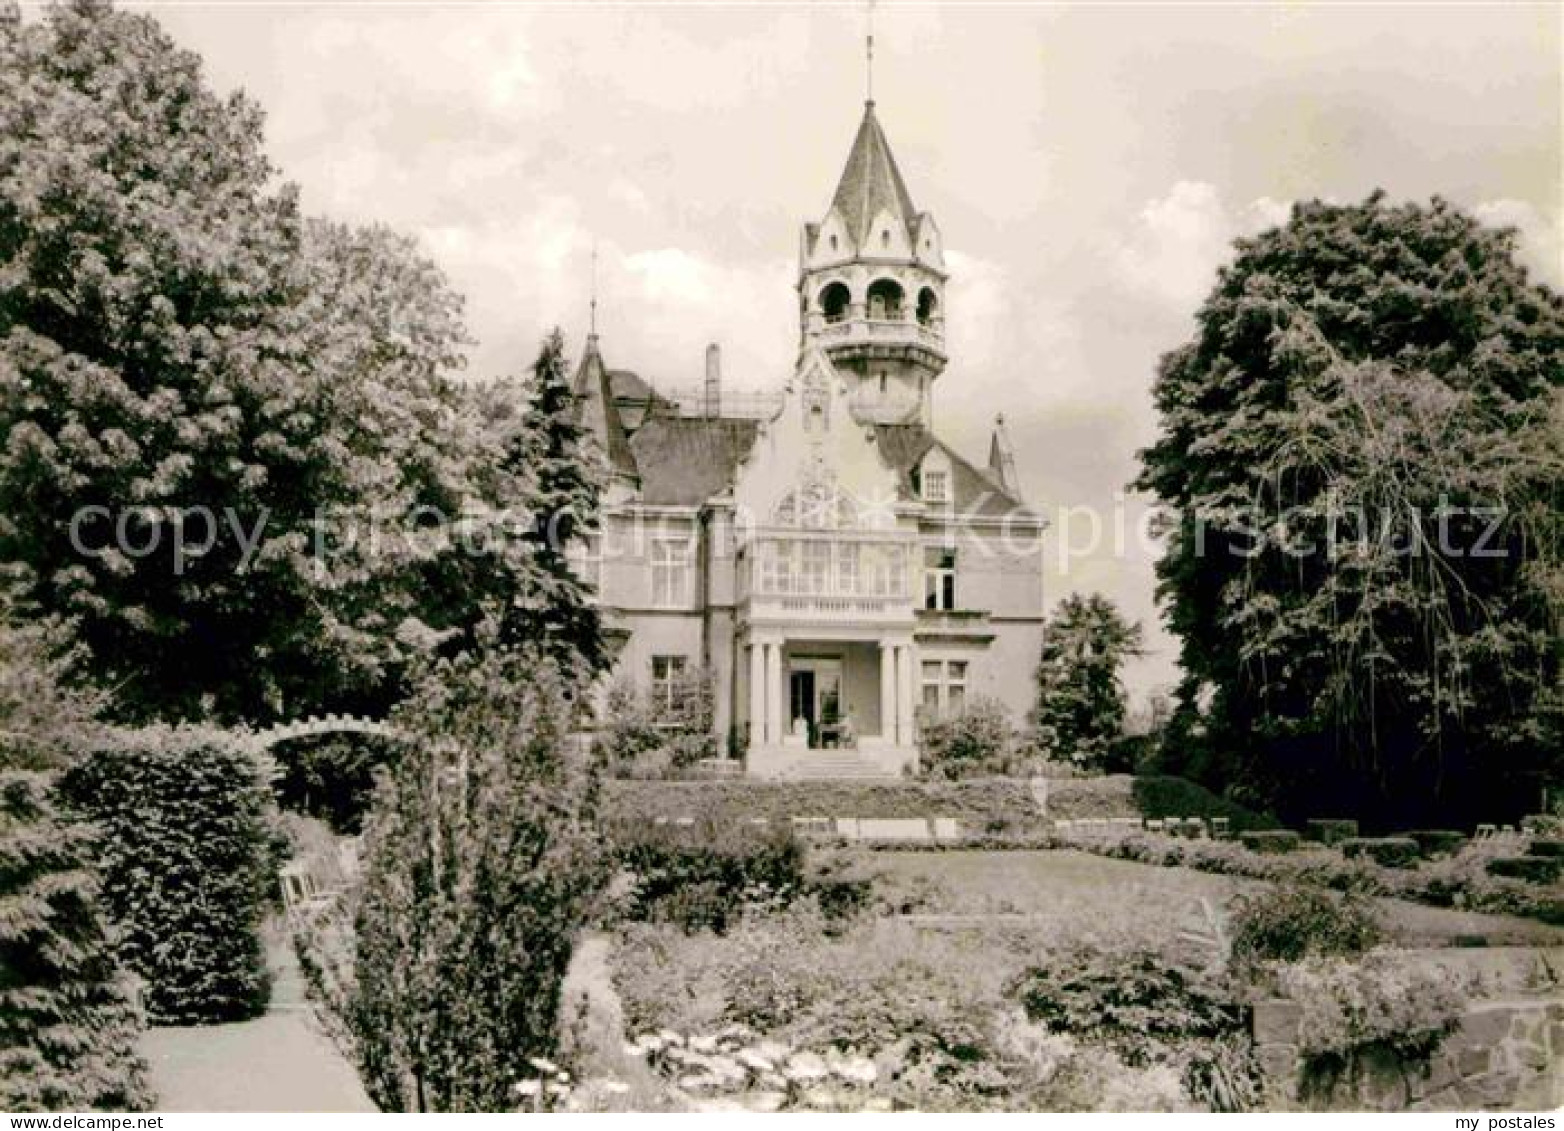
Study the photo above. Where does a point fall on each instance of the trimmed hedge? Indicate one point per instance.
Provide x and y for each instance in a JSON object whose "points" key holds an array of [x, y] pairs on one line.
{"points": [[188, 859], [1386, 851], [1437, 842], [1331, 830], [1273, 842], [1547, 846], [980, 801], [1532, 869], [988, 808], [1444, 883]]}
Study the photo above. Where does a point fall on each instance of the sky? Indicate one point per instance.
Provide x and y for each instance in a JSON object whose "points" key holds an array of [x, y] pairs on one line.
{"points": [[1088, 165]]}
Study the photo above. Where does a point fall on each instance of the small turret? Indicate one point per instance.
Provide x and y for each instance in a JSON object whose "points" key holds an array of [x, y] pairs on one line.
{"points": [[600, 415], [1002, 459]]}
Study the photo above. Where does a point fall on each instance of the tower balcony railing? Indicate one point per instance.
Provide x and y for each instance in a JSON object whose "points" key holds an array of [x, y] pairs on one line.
{"points": [[889, 330]]}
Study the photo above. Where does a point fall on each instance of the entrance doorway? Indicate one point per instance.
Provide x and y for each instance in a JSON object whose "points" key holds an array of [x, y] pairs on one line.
{"points": [[815, 696]]}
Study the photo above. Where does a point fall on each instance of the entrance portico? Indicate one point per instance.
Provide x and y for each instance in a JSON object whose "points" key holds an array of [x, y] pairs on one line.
{"points": [[812, 691]]}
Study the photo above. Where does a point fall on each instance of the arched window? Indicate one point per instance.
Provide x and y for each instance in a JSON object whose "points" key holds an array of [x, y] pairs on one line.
{"points": [[928, 306], [834, 298], [817, 507], [885, 297]]}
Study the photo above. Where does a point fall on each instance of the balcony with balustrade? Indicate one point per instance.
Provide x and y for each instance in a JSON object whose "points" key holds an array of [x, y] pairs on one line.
{"points": [[840, 578]]}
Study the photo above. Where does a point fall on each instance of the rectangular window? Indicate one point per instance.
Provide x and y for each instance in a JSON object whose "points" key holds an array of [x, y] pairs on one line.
{"points": [[939, 578], [936, 486], [817, 568], [667, 671], [944, 686], [586, 562], [847, 569], [670, 573]]}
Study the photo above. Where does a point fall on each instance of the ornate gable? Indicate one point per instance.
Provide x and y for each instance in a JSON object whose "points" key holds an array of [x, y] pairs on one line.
{"points": [[813, 465]]}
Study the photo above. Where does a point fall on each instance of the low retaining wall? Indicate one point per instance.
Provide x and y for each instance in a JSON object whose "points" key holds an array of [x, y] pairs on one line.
{"points": [[1505, 1056]]}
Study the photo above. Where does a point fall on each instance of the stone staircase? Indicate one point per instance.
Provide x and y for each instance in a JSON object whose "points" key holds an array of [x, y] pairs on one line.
{"points": [[836, 765]]}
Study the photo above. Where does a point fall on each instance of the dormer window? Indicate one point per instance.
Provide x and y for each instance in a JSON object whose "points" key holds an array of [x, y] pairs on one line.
{"points": [[936, 486], [885, 237], [833, 243]]}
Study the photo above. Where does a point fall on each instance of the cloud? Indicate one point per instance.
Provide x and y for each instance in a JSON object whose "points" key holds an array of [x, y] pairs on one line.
{"points": [[1538, 237], [1171, 254]]}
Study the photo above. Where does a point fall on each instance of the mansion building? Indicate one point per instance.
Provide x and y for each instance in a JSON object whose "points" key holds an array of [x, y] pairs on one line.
{"points": [[838, 572]]}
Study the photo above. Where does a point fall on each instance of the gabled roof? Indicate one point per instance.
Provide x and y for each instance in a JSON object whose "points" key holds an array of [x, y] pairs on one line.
{"points": [[871, 182], [972, 492], [685, 460], [595, 404]]}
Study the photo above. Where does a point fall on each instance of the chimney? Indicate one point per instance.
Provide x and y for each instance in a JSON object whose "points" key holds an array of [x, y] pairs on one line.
{"points": [[713, 399]]}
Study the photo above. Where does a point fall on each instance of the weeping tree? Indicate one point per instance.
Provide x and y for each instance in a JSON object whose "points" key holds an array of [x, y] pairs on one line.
{"points": [[1362, 452], [69, 1023]]}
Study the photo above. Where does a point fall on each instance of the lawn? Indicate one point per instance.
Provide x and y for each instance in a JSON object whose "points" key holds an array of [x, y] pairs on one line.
{"points": [[1079, 897]]}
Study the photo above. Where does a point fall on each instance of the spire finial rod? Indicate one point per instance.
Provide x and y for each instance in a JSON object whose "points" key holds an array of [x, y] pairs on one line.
{"points": [[592, 306], [869, 53]]}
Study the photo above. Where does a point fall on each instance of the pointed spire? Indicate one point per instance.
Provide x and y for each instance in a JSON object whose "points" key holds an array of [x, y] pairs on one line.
{"points": [[871, 182], [1002, 458], [595, 402]]}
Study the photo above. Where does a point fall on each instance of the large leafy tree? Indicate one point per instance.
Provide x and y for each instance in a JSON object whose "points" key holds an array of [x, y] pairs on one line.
{"points": [[69, 1025], [187, 362], [1363, 451], [1079, 714]]}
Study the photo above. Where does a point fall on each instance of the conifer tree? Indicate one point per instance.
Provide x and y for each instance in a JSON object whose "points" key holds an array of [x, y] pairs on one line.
{"points": [[552, 607], [1080, 695], [483, 861], [69, 1024]]}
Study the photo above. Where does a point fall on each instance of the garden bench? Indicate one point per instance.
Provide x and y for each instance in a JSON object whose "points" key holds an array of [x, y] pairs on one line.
{"points": [[814, 826], [895, 829]]}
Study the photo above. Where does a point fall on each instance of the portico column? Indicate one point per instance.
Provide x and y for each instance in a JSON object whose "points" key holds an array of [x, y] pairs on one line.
{"points": [[887, 692], [905, 689], [757, 694], [774, 693]]}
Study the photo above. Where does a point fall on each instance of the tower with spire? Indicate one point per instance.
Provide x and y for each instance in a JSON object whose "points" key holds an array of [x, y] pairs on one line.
{"points": [[871, 286], [818, 550]]}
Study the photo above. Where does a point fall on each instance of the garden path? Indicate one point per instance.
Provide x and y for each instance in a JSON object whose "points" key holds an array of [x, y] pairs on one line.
{"points": [[281, 1061]]}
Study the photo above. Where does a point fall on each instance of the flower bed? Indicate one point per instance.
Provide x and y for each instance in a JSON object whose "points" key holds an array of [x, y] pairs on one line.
{"points": [[787, 1011]]}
